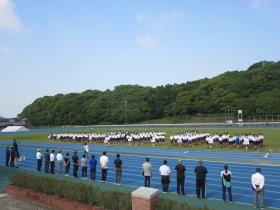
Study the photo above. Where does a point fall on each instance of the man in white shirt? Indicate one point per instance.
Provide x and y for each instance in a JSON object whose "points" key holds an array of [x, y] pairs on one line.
{"points": [[39, 159], [104, 166], [257, 180], [52, 162], [165, 173], [59, 161]]}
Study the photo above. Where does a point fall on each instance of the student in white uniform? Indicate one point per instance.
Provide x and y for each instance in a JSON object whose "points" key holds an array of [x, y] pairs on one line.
{"points": [[39, 159], [165, 173], [59, 160], [257, 180]]}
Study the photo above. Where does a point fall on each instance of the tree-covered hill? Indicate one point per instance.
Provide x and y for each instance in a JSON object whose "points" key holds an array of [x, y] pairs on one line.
{"points": [[256, 91]]}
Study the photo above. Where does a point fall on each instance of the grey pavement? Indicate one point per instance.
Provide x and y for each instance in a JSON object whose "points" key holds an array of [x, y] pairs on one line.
{"points": [[11, 203]]}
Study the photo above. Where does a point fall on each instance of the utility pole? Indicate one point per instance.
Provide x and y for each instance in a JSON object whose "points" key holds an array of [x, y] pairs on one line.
{"points": [[125, 111]]}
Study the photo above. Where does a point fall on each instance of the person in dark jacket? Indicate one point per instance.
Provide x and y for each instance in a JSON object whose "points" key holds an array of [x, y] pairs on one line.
{"points": [[200, 172], [118, 169], [47, 161], [8, 156], [180, 168], [12, 162], [15, 145], [67, 164], [226, 183], [92, 163], [75, 160]]}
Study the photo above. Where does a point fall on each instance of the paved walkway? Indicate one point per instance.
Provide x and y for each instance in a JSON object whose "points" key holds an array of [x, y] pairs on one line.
{"points": [[12, 203]]}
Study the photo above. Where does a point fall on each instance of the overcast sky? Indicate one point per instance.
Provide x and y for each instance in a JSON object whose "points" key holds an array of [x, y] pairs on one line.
{"points": [[62, 46]]}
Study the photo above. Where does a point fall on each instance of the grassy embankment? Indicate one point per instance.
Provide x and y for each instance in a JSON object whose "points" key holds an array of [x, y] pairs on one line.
{"points": [[272, 136]]}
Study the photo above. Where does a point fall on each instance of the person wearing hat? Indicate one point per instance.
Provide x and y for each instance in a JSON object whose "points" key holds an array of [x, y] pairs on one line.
{"points": [[180, 168], [257, 180], [39, 159], [200, 172], [59, 160], [226, 183], [47, 161]]}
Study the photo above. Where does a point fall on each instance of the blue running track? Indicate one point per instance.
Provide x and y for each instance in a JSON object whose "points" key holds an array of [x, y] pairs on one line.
{"points": [[134, 157]]}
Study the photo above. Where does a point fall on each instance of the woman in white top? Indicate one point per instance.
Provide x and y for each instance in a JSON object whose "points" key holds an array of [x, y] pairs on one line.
{"points": [[226, 183]]}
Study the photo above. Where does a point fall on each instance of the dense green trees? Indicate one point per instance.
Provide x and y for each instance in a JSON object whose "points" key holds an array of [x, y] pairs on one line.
{"points": [[255, 91]]}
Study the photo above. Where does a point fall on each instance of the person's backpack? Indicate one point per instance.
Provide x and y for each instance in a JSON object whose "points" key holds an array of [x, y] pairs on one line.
{"points": [[226, 181]]}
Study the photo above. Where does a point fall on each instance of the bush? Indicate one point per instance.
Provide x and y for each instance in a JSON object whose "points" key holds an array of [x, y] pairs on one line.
{"points": [[86, 193], [74, 191], [164, 204]]}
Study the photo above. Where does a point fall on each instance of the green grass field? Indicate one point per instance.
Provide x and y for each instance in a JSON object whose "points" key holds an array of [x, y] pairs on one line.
{"points": [[272, 136]]}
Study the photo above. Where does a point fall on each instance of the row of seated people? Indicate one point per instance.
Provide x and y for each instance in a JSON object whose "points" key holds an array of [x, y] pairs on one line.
{"points": [[111, 137], [245, 140], [194, 137]]}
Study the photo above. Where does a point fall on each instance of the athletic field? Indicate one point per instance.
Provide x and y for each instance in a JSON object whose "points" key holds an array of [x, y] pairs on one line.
{"points": [[241, 164]]}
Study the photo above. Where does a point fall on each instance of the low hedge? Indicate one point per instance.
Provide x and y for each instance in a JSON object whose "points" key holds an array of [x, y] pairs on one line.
{"points": [[86, 193], [74, 191]]}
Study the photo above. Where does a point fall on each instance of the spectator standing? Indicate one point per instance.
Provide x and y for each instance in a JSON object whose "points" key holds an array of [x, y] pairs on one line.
{"points": [[180, 168], [200, 172], [67, 164], [165, 173], [257, 180], [118, 169], [92, 163], [12, 159], [75, 160], [52, 159], [104, 167], [84, 163], [39, 159], [147, 172], [16, 158], [15, 145], [59, 160], [47, 161], [226, 183], [8, 156]]}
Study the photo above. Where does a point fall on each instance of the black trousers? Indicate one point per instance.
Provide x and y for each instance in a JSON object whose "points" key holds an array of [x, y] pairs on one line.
{"points": [[67, 168], [39, 164], [165, 183], [147, 181], [181, 185], [229, 193], [84, 171], [12, 163], [52, 167], [200, 186], [75, 170], [47, 166], [7, 160], [92, 174], [104, 174]]}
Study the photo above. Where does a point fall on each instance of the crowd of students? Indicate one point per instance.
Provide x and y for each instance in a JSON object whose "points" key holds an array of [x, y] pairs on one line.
{"points": [[111, 137], [257, 179], [194, 137]]}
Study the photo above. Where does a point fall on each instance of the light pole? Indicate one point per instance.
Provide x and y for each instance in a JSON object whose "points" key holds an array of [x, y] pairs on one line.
{"points": [[125, 111]]}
